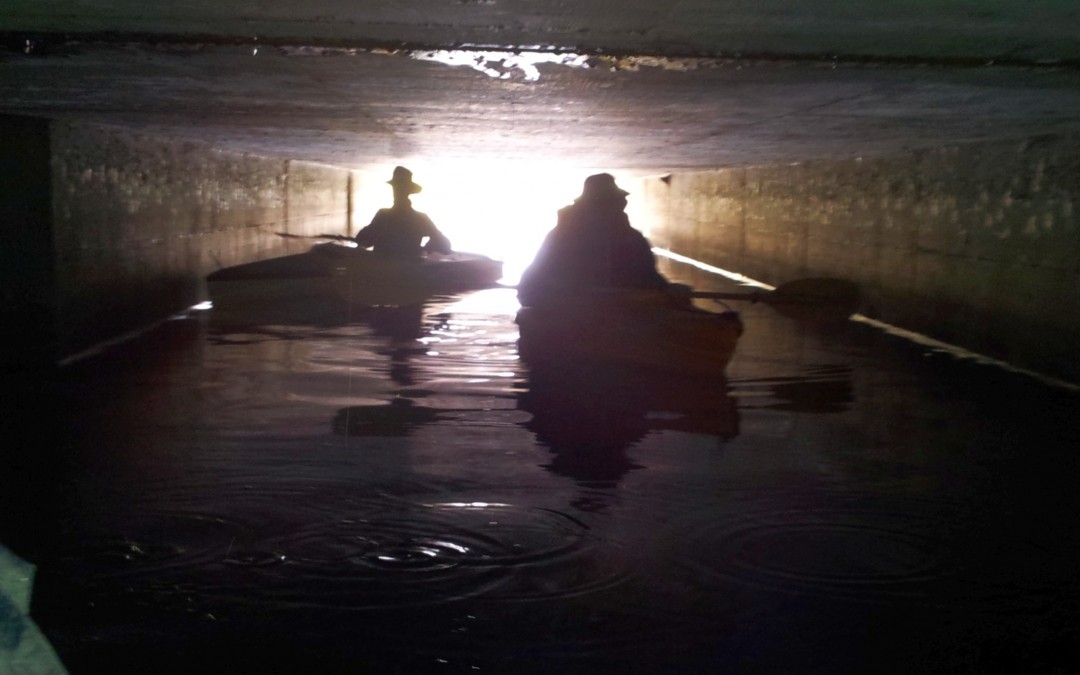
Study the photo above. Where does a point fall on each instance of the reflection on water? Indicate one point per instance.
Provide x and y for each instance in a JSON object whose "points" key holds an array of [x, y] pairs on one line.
{"points": [[590, 416], [824, 389], [399, 417], [397, 492]]}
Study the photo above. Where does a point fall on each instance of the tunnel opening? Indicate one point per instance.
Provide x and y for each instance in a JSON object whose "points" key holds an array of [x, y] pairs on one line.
{"points": [[502, 210]]}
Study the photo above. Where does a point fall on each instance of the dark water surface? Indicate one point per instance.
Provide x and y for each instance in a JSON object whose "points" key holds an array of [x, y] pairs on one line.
{"points": [[345, 498]]}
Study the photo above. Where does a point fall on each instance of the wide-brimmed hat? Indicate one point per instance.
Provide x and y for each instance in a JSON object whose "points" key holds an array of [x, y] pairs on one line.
{"points": [[403, 176], [601, 185]]}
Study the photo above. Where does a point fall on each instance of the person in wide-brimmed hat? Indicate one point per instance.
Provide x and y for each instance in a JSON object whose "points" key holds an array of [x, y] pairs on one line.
{"points": [[592, 245], [400, 230], [601, 186], [403, 178]]}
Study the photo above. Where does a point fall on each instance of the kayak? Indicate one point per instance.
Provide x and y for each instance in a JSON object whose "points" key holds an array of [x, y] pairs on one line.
{"points": [[629, 327], [332, 274], [291, 288], [365, 278]]}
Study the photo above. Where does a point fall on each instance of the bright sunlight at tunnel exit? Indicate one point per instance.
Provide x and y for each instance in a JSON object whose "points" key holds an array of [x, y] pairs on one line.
{"points": [[503, 211]]}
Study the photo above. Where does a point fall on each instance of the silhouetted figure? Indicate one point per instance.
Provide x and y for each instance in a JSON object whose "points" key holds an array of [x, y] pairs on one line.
{"points": [[400, 230], [592, 245]]}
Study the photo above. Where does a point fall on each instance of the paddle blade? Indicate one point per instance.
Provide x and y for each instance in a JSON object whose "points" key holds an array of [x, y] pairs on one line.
{"points": [[815, 298], [819, 290]]}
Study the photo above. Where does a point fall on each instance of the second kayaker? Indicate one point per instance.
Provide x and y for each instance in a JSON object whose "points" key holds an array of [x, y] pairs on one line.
{"points": [[400, 230], [592, 245]]}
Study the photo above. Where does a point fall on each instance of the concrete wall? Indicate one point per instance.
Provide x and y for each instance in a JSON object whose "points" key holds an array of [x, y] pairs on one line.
{"points": [[976, 245], [135, 223], [26, 285]]}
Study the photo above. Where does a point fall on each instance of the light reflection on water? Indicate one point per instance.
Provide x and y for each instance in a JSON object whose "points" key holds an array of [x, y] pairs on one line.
{"points": [[399, 492]]}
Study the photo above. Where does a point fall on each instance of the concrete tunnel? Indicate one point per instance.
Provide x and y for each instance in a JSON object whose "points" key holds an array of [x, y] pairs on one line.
{"points": [[929, 153]]}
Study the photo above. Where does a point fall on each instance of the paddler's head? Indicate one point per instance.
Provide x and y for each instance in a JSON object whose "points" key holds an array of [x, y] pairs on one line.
{"points": [[600, 188], [403, 184]]}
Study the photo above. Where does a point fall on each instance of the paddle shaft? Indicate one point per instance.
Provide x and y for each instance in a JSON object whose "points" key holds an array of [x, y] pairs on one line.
{"points": [[339, 237], [813, 291], [753, 296]]}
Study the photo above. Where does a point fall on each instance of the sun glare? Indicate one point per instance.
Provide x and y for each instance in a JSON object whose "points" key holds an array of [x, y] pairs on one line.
{"points": [[497, 210]]}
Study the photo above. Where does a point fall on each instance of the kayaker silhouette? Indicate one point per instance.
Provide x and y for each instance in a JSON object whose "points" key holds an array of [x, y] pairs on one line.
{"points": [[592, 245], [400, 230]]}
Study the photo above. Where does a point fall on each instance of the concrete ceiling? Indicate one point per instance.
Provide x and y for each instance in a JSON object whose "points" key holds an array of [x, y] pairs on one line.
{"points": [[644, 86]]}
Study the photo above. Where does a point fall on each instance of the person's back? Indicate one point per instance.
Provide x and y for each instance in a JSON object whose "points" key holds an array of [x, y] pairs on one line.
{"points": [[399, 231], [592, 245]]}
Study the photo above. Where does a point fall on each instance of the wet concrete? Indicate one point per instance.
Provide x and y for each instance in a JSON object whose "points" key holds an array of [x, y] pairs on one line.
{"points": [[354, 495]]}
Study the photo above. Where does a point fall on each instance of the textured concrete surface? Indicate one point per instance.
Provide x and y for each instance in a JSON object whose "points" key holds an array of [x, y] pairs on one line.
{"points": [[975, 245], [363, 108], [1032, 29], [139, 221]]}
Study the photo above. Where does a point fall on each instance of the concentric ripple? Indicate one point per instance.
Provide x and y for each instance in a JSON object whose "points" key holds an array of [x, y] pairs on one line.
{"points": [[368, 552], [154, 543], [432, 553], [844, 550]]}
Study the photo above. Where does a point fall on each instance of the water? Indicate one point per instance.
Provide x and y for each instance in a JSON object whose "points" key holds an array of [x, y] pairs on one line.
{"points": [[363, 496]]}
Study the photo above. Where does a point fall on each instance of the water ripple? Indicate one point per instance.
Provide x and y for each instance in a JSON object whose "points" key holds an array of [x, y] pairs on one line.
{"points": [[380, 553], [863, 552]]}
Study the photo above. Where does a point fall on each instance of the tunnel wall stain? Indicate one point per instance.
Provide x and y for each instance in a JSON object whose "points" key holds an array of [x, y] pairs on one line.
{"points": [[137, 222], [976, 245]]}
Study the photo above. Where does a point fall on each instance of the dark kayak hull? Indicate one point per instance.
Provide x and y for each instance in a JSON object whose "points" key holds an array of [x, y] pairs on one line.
{"points": [[370, 280], [639, 328], [332, 274]]}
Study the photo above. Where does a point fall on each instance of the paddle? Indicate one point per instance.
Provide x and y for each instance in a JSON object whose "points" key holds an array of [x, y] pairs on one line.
{"points": [[339, 237], [814, 297], [806, 297]]}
